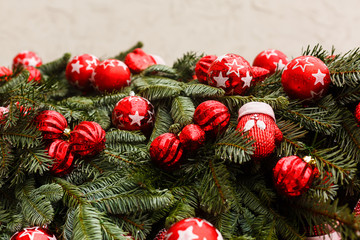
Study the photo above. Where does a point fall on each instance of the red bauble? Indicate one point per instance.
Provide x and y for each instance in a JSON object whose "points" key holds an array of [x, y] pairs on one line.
{"points": [[293, 176], [157, 59], [63, 156], [271, 59], [306, 78], [3, 112], [138, 60], [161, 234], [357, 113], [319, 233], [27, 59], [202, 67], [133, 113], [357, 209], [5, 73], [33, 233], [51, 123], [212, 116], [166, 151], [192, 137], [193, 228], [79, 70], [87, 138], [110, 75], [34, 74]]}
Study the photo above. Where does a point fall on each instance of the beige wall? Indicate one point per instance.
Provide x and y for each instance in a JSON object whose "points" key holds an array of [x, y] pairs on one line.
{"points": [[170, 28]]}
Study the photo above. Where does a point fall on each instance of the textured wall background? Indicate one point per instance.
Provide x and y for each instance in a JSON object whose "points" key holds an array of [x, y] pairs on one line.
{"points": [[170, 28]]}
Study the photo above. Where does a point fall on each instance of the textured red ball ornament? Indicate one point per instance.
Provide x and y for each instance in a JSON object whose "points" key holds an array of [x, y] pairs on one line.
{"points": [[306, 78], [33, 233], [293, 175], [34, 74], [87, 138], [63, 156], [51, 123], [138, 60], [212, 116], [192, 137], [27, 59], [202, 67], [133, 113], [193, 228], [271, 59], [319, 233], [166, 151], [357, 113], [258, 119], [5, 73], [161, 234], [110, 75], [79, 70]]}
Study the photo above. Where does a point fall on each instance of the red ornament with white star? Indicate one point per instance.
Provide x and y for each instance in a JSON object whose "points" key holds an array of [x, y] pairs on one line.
{"points": [[34, 74], [33, 233], [202, 67], [306, 78], [110, 75], [271, 59], [27, 59], [5, 73], [191, 229], [79, 70]]}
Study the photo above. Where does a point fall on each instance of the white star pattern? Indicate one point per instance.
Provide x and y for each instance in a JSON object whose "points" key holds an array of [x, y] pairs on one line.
{"points": [[107, 63], [187, 234], [92, 78], [136, 118], [269, 53], [314, 94], [234, 67], [76, 67], [319, 77], [54, 238], [220, 80], [91, 63], [219, 59], [121, 64], [31, 234], [199, 222], [247, 79], [219, 237], [120, 123], [32, 61], [168, 235], [302, 66], [279, 65], [151, 118]]}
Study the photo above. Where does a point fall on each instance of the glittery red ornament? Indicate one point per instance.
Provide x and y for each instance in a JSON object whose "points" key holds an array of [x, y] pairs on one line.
{"points": [[160, 235], [87, 138], [357, 209], [271, 59], [63, 156], [357, 113], [293, 175], [5, 73], [34, 74], [51, 123], [79, 70], [133, 113], [306, 78], [33, 233], [259, 74], [138, 60], [202, 67], [212, 116], [258, 119], [110, 75], [193, 228], [27, 58], [166, 151], [192, 137], [319, 233]]}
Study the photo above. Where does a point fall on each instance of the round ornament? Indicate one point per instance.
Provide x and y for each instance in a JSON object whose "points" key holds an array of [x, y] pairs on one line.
{"points": [[110, 75], [79, 70], [192, 137], [166, 151], [306, 78], [293, 175], [51, 123], [161, 234], [212, 116], [34, 74], [138, 60], [3, 112], [271, 59], [63, 156], [27, 59], [357, 209], [5, 73], [33, 233], [202, 67], [87, 138], [193, 228], [319, 233], [357, 113], [157, 59]]}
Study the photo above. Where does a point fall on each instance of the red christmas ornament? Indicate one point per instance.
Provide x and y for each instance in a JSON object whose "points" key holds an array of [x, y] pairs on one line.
{"points": [[63, 157], [33, 233], [27, 59], [202, 67], [51, 123], [79, 70], [258, 119], [319, 233], [3, 112], [357, 113], [161, 234], [357, 209], [212, 116], [157, 59], [259, 74], [192, 137], [5, 73], [166, 151], [271, 59], [87, 138], [133, 113], [306, 78], [293, 175], [110, 75], [138, 60], [34, 74], [193, 228]]}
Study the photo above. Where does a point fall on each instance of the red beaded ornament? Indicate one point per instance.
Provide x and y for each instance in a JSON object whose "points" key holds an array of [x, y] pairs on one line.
{"points": [[357, 113], [138, 60], [34, 74], [27, 59], [161, 234], [192, 137], [33, 233], [51, 123], [63, 156], [271, 59], [202, 67], [3, 112], [5, 73]]}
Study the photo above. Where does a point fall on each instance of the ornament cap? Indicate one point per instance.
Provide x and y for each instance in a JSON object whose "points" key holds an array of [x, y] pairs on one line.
{"points": [[256, 107], [310, 160]]}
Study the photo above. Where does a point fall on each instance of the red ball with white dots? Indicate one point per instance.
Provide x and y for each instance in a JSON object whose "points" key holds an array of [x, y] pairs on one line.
{"points": [[5, 73], [271, 59], [79, 70], [133, 113], [110, 75], [34, 74], [232, 73], [306, 78], [193, 228], [27, 59], [33, 233]]}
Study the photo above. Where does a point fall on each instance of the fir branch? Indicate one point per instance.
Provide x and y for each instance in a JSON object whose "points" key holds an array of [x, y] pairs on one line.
{"points": [[182, 110], [198, 90], [86, 223], [73, 197], [119, 159], [347, 95], [292, 134], [6, 159], [52, 192], [160, 70], [108, 101], [138, 226], [160, 91], [55, 67], [271, 87], [185, 66], [317, 51], [228, 224], [36, 160], [323, 188], [111, 230], [101, 116], [121, 56], [117, 136], [162, 123], [68, 227]]}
